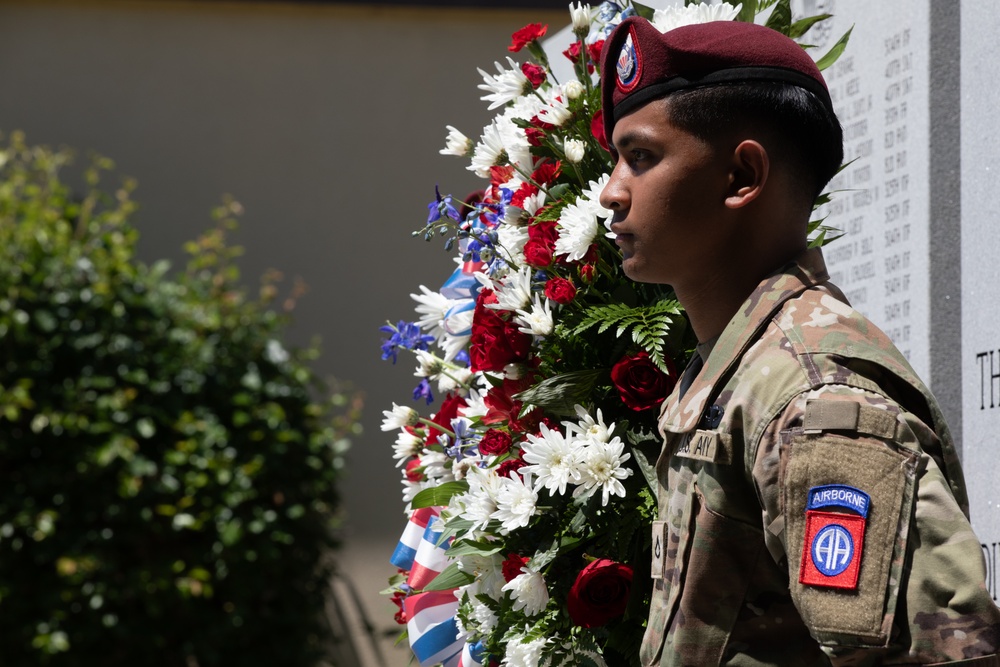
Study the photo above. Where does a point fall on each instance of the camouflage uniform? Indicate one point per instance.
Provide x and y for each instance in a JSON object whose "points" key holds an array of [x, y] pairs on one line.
{"points": [[801, 392]]}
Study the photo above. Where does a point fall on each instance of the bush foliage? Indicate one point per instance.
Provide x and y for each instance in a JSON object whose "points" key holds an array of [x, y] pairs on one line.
{"points": [[167, 479]]}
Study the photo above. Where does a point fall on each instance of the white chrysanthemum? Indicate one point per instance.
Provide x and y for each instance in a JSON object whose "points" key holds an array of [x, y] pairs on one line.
{"points": [[528, 591], [488, 571], [432, 307], [451, 378], [521, 653], [516, 503], [461, 469], [457, 144], [407, 446], [452, 345], [573, 89], [514, 292], [479, 503], [525, 108], [574, 150], [579, 221], [437, 466], [602, 468], [512, 239], [428, 364], [556, 112], [579, 17], [577, 231], [676, 16], [411, 489], [536, 321], [589, 428], [483, 615], [551, 459], [398, 417], [475, 405], [506, 86], [591, 195], [502, 143]]}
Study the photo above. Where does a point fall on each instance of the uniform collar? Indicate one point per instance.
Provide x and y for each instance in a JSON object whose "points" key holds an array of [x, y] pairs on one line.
{"points": [[681, 415]]}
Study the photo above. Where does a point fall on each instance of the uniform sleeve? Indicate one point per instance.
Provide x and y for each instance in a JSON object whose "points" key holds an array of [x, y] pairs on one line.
{"points": [[882, 563]]}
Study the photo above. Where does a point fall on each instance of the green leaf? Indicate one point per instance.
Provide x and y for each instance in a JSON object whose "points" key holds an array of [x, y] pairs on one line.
{"points": [[440, 495], [802, 26], [450, 577], [646, 467], [748, 11], [781, 17], [473, 548], [834, 52], [643, 11], [560, 394]]}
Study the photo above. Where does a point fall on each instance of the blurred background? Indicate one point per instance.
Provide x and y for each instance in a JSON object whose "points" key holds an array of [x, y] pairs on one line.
{"points": [[324, 120]]}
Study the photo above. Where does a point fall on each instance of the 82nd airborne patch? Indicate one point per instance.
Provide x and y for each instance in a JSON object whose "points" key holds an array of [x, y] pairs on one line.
{"points": [[834, 541]]}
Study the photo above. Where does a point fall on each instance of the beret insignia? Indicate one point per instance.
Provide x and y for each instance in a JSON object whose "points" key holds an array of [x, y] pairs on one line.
{"points": [[629, 64]]}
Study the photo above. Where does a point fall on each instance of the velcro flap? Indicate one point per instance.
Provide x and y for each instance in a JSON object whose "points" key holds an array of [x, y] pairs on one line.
{"points": [[827, 415]]}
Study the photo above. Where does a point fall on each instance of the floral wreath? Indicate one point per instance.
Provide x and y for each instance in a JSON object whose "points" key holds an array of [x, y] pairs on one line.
{"points": [[530, 490]]}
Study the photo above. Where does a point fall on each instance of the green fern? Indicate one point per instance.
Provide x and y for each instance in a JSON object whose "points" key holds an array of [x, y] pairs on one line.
{"points": [[649, 325]]}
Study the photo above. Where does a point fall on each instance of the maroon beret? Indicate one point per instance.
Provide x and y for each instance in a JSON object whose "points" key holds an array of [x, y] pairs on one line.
{"points": [[640, 64]]}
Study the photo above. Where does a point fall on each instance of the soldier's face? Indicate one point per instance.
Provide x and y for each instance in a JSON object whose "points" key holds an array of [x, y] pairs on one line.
{"points": [[666, 191]]}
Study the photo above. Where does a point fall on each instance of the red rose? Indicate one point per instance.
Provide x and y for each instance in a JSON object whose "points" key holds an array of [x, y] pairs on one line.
{"points": [[537, 254], [495, 342], [526, 35], [600, 593], [534, 73], [587, 273], [448, 411], [640, 384], [560, 290], [597, 129], [494, 443], [511, 567]]}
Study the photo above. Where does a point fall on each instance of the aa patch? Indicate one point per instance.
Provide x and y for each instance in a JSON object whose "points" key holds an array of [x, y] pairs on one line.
{"points": [[629, 63], [834, 541]]}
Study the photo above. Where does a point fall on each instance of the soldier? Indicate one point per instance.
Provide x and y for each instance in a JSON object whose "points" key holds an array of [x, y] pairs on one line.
{"points": [[812, 508]]}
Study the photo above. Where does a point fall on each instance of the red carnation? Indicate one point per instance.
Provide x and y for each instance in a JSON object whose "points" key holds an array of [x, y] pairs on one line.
{"points": [[397, 599], [560, 290], [535, 136], [494, 443], [502, 407], [526, 35], [534, 73], [597, 129], [640, 383], [594, 50], [600, 593], [526, 190], [495, 342], [413, 472], [547, 172], [510, 466], [511, 567], [573, 52]]}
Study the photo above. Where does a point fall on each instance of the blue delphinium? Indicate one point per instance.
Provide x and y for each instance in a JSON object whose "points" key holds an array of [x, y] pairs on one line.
{"points": [[423, 390], [406, 335]]}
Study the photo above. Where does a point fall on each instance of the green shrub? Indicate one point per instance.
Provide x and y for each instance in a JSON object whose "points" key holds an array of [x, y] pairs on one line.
{"points": [[167, 480]]}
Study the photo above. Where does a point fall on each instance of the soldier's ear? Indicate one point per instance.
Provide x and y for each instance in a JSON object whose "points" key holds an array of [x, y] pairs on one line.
{"points": [[748, 171]]}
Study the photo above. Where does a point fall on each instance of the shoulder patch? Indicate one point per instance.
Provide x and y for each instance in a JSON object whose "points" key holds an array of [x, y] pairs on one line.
{"points": [[834, 541]]}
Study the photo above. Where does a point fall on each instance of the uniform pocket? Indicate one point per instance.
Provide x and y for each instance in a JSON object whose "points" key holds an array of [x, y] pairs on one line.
{"points": [[705, 581]]}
